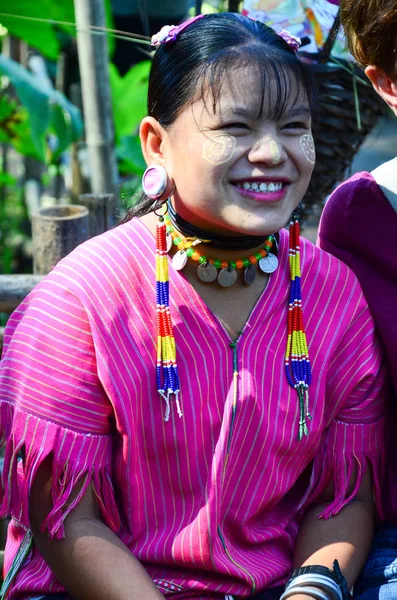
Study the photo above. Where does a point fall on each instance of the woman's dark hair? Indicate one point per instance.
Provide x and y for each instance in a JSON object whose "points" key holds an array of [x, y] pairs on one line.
{"points": [[198, 63]]}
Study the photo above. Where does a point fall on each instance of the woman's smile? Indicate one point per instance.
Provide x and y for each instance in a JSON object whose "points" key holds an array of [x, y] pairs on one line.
{"points": [[262, 190]]}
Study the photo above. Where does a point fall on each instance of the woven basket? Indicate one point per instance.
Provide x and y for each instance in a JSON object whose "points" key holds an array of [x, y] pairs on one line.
{"points": [[335, 130]]}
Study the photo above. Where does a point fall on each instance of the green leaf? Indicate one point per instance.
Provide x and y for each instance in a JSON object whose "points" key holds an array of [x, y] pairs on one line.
{"points": [[6, 179], [48, 109], [21, 134], [14, 126], [130, 153], [31, 94], [7, 107], [129, 97], [39, 35], [60, 127], [45, 36]]}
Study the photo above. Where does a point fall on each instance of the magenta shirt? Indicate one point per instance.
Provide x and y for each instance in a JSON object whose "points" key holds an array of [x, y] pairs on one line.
{"points": [[359, 226], [208, 514]]}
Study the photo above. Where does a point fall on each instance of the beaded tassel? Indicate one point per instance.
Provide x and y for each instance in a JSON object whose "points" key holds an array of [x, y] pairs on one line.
{"points": [[297, 363], [166, 370]]}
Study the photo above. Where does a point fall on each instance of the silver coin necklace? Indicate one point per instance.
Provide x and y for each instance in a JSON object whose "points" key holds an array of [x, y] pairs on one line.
{"points": [[224, 272]]}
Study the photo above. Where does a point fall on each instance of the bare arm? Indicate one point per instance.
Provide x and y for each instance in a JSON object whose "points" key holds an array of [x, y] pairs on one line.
{"points": [[91, 561], [346, 537]]}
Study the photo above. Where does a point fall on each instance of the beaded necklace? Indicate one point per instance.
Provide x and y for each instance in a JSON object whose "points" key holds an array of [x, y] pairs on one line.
{"points": [[207, 269], [297, 363]]}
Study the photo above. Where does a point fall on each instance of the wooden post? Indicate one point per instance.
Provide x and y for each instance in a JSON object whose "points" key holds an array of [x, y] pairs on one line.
{"points": [[1, 345], [14, 288], [56, 231], [93, 61], [101, 212]]}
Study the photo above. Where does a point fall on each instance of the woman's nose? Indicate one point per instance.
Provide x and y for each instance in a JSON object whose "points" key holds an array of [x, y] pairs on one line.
{"points": [[267, 149]]}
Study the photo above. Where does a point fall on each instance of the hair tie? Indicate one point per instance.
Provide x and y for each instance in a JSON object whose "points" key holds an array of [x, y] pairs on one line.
{"points": [[169, 33], [293, 42]]}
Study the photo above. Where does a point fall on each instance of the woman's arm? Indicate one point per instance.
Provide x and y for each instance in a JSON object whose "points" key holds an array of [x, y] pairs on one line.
{"points": [[91, 561], [346, 537]]}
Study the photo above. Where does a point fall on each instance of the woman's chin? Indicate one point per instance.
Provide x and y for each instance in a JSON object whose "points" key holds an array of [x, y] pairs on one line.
{"points": [[257, 222]]}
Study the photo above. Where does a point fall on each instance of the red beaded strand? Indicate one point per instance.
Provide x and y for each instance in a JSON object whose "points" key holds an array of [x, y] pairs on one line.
{"points": [[166, 368], [297, 362]]}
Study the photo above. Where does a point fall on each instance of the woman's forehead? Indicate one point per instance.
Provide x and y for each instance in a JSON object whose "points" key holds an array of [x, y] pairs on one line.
{"points": [[253, 93]]}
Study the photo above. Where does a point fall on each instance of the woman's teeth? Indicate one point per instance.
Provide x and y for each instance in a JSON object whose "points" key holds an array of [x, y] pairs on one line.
{"points": [[260, 186]]}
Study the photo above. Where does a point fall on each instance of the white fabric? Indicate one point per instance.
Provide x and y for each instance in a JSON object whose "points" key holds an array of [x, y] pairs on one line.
{"points": [[386, 177]]}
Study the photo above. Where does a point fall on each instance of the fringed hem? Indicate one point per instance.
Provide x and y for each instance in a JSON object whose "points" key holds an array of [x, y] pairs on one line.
{"points": [[347, 449], [77, 458]]}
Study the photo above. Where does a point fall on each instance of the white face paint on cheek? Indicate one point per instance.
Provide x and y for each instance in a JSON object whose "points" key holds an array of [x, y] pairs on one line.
{"points": [[219, 149], [308, 149]]}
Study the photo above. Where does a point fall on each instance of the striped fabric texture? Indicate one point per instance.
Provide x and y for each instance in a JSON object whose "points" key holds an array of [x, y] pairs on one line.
{"points": [[209, 514]]}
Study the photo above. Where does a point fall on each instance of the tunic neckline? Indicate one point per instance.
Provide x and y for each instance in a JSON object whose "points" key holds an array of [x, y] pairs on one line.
{"points": [[279, 277]]}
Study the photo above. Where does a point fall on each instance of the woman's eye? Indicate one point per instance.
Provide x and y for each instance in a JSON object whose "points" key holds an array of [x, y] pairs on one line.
{"points": [[297, 125], [235, 126]]}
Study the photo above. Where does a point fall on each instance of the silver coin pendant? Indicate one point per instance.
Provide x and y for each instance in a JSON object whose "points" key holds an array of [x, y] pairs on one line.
{"points": [[179, 260], [250, 274], [227, 277], [269, 263], [207, 272]]}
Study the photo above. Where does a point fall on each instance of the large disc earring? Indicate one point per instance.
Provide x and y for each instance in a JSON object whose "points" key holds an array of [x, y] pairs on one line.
{"points": [[156, 184]]}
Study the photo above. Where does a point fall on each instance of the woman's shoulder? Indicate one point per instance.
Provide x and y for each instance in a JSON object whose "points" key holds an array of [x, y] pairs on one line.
{"points": [[122, 241], [358, 195], [327, 279], [320, 265], [103, 271], [356, 213]]}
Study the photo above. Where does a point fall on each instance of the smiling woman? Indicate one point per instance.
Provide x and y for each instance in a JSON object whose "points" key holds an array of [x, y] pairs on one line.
{"points": [[177, 438], [232, 148]]}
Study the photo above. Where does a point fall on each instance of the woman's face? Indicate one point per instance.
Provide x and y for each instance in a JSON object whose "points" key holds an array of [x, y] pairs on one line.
{"points": [[235, 171]]}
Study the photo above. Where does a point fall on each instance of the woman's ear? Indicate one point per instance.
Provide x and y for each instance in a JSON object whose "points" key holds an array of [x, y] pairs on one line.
{"points": [[153, 135], [385, 87]]}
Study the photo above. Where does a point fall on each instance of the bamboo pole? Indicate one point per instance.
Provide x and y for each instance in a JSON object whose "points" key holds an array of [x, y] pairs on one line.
{"points": [[56, 231], [14, 288], [93, 61], [101, 217], [1, 350]]}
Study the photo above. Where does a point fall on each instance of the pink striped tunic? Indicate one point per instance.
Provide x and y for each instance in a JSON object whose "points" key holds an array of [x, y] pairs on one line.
{"points": [[208, 512]]}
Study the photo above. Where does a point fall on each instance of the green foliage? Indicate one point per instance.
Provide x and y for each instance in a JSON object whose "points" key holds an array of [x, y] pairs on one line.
{"points": [[209, 7], [130, 155], [47, 111], [13, 220], [15, 128], [45, 36], [129, 95], [129, 99]]}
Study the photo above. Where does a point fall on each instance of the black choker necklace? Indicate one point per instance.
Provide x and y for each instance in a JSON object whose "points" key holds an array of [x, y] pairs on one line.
{"points": [[246, 242]]}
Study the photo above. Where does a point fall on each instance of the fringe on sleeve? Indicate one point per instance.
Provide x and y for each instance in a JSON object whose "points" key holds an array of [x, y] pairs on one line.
{"points": [[348, 450], [77, 458]]}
